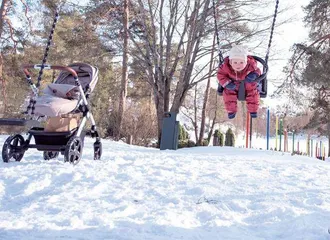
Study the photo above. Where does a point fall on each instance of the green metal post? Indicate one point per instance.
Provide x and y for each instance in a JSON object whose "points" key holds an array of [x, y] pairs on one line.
{"points": [[292, 141]]}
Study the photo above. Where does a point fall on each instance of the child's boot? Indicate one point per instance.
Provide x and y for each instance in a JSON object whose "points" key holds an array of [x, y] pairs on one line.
{"points": [[231, 115], [253, 115]]}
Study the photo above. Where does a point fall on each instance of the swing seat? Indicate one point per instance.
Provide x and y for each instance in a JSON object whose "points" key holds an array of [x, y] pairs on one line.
{"points": [[262, 89], [262, 82]]}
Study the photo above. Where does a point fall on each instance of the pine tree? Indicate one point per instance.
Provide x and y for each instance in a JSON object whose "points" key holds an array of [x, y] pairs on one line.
{"points": [[218, 138], [315, 58], [230, 138], [183, 134]]}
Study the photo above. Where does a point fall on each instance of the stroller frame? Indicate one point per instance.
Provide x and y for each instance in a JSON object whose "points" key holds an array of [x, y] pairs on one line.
{"points": [[68, 143]]}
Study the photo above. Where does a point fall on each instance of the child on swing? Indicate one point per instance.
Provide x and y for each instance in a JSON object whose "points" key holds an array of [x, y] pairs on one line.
{"points": [[238, 66]]}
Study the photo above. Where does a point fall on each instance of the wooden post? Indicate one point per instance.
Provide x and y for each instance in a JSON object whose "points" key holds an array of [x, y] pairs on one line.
{"points": [[247, 130], [292, 141], [298, 146], [130, 140], [307, 145], [268, 126], [285, 140], [276, 133], [281, 129], [312, 148], [250, 131]]}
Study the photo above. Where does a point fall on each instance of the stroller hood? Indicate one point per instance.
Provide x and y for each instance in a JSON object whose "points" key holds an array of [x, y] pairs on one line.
{"points": [[55, 101], [87, 75]]}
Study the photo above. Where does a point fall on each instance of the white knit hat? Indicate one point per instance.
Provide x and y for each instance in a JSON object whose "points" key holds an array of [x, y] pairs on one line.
{"points": [[238, 52]]}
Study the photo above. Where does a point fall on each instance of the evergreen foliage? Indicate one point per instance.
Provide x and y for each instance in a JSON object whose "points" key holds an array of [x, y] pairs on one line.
{"points": [[183, 134], [205, 142], [184, 138], [230, 138], [186, 143], [219, 138], [311, 66]]}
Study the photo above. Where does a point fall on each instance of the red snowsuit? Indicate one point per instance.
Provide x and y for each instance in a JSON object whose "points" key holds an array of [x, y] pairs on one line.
{"points": [[226, 74]]}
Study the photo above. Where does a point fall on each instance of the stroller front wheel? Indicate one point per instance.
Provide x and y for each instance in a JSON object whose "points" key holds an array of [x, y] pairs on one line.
{"points": [[13, 148], [50, 155], [73, 150], [97, 150]]}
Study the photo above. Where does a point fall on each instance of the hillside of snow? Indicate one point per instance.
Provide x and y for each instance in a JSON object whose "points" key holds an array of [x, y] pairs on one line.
{"points": [[137, 193]]}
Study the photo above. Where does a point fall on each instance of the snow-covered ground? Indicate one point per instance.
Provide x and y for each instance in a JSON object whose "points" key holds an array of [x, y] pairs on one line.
{"points": [[137, 193]]}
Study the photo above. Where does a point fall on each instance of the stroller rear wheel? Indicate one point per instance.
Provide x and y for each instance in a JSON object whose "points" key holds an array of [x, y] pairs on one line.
{"points": [[73, 150], [50, 155], [13, 148], [97, 150]]}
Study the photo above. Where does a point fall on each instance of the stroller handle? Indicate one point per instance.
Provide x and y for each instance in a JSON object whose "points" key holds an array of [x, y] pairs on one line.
{"points": [[55, 67]]}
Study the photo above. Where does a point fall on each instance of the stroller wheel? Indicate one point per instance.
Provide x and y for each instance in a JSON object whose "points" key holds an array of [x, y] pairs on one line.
{"points": [[97, 150], [13, 148], [73, 150], [50, 155]]}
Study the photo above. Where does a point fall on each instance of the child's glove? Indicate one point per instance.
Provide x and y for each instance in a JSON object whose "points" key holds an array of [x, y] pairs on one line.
{"points": [[251, 77], [230, 86]]}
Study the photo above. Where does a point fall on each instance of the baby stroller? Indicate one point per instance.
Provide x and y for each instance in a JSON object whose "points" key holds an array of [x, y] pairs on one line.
{"points": [[65, 105]]}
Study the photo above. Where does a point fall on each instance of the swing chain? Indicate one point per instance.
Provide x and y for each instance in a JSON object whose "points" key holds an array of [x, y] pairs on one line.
{"points": [[270, 39], [272, 32], [221, 59]]}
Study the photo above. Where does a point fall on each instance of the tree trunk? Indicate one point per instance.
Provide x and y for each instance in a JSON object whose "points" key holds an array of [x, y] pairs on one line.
{"points": [[167, 95], [2, 14], [206, 97], [193, 48], [328, 131], [3, 83], [195, 115], [124, 78], [211, 129], [159, 102], [2, 80], [214, 119]]}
